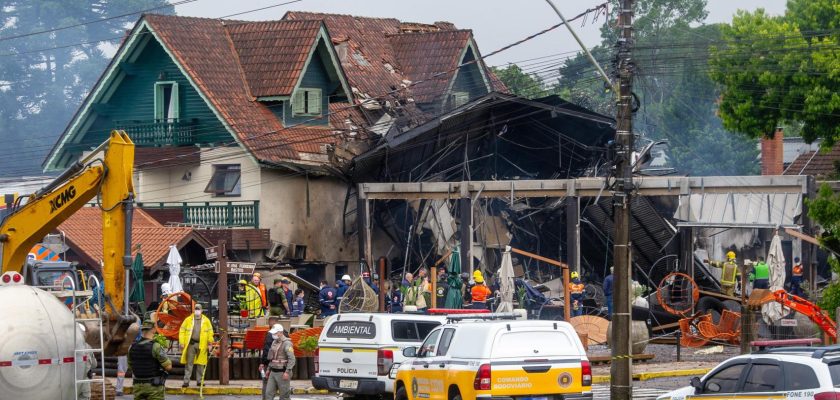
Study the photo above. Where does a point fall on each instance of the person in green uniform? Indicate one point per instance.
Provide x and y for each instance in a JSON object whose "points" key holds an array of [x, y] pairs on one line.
{"points": [[149, 364], [760, 275]]}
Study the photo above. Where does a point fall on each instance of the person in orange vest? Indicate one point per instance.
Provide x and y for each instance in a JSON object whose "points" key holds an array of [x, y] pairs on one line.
{"points": [[479, 292], [256, 280], [796, 278], [576, 294]]}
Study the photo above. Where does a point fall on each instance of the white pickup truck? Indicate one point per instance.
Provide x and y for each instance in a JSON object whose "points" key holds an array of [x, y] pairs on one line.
{"points": [[357, 351]]}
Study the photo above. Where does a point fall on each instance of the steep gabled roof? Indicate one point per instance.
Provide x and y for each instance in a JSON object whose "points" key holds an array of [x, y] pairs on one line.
{"points": [[821, 164], [431, 58], [83, 231]]}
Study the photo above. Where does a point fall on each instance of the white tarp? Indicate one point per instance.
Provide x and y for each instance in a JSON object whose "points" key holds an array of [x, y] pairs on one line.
{"points": [[776, 261], [174, 260], [506, 284], [739, 210]]}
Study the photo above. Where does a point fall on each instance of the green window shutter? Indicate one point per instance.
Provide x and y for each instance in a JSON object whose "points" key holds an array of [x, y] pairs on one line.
{"points": [[299, 102], [314, 103], [158, 101]]}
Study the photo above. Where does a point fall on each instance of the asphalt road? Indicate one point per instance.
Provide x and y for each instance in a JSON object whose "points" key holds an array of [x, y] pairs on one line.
{"points": [[642, 391]]}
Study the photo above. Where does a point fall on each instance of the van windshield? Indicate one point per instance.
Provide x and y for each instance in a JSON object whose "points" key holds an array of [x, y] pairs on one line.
{"points": [[534, 344], [352, 330]]}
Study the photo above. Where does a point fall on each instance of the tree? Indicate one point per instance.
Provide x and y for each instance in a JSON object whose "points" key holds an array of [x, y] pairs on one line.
{"points": [[46, 70], [780, 70], [825, 210], [676, 95], [522, 84]]}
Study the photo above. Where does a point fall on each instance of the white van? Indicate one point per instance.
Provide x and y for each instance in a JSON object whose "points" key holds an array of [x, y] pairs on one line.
{"points": [[356, 351]]}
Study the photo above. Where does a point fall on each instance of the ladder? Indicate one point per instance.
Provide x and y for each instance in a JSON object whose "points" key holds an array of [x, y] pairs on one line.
{"points": [[85, 352]]}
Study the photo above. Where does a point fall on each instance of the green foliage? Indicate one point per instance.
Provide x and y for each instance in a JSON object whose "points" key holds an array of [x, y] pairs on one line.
{"points": [[161, 340], [779, 69], [44, 77], [676, 94], [825, 210], [522, 84], [308, 344]]}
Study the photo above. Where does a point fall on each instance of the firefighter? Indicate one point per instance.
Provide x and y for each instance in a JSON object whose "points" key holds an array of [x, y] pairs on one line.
{"points": [[729, 273], [480, 292], [576, 294], [796, 278], [149, 364], [249, 299]]}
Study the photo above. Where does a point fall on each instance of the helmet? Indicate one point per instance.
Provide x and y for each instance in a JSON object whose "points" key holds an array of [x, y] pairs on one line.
{"points": [[257, 275], [477, 273], [479, 279], [730, 255], [575, 275], [242, 282], [346, 278]]}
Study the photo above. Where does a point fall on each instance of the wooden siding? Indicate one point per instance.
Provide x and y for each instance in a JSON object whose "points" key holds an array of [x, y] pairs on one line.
{"points": [[317, 77], [469, 78], [134, 100]]}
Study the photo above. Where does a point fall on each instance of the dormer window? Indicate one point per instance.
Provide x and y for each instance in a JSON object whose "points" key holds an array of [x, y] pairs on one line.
{"points": [[166, 102], [307, 102]]}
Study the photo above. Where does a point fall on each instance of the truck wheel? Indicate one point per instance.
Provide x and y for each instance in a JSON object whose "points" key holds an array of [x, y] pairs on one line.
{"points": [[454, 394], [401, 395]]}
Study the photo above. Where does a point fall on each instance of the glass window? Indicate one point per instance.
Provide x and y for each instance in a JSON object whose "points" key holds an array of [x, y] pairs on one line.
{"points": [[724, 381], [801, 377], [445, 341], [764, 378], [834, 370], [429, 347], [307, 101], [411, 331], [225, 181], [166, 101], [458, 99]]}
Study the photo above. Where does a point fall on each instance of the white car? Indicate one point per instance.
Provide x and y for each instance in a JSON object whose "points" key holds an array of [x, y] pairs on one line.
{"points": [[356, 351], [780, 373]]}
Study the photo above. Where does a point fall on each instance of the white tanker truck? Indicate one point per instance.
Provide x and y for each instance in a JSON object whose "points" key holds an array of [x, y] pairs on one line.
{"points": [[39, 337]]}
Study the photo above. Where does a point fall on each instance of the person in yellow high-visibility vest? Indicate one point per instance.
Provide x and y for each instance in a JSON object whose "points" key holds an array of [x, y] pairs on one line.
{"points": [[729, 273]]}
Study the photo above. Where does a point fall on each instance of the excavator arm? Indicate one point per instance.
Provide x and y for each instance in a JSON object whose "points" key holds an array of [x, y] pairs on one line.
{"points": [[796, 303], [109, 178]]}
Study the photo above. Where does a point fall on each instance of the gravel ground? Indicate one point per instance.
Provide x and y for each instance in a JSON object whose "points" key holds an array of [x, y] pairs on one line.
{"points": [[665, 358]]}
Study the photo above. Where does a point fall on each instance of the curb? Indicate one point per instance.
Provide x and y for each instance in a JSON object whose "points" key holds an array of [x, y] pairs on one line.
{"points": [[229, 391], [644, 376]]}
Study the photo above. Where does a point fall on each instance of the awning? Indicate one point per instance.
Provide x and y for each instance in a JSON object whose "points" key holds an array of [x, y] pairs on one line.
{"points": [[739, 210]]}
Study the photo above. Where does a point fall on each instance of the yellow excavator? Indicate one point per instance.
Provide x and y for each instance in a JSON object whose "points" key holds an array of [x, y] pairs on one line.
{"points": [[108, 180]]}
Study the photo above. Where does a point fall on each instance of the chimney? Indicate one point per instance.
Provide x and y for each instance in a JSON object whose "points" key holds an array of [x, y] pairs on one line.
{"points": [[773, 153]]}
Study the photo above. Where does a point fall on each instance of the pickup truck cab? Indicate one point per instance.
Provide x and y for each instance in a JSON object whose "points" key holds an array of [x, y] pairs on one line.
{"points": [[472, 358], [356, 351]]}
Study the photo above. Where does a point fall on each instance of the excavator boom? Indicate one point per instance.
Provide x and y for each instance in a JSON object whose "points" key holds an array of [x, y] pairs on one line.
{"points": [[109, 178], [796, 303]]}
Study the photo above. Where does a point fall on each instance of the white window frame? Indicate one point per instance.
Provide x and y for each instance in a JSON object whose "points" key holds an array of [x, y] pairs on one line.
{"points": [[307, 102], [174, 104]]}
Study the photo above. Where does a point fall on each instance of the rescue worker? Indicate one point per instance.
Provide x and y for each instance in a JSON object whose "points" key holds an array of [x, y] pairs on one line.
{"points": [[299, 304], [442, 288], [608, 291], [149, 364], [249, 299], [256, 280], [395, 299], [760, 275], [267, 342], [576, 294], [343, 285], [480, 292], [414, 294], [281, 362], [425, 285], [195, 338], [326, 297], [729, 273], [277, 301], [287, 291], [796, 278], [369, 282]]}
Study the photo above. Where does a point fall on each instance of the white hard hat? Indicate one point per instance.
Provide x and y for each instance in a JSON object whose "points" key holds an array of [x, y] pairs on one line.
{"points": [[346, 278], [275, 329], [165, 288]]}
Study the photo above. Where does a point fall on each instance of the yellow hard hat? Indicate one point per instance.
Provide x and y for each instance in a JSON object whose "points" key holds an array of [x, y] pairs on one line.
{"points": [[242, 282], [575, 275], [257, 275], [478, 279], [730, 255], [477, 273]]}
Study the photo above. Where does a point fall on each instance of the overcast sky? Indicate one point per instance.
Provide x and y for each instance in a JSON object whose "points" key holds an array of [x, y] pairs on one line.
{"points": [[495, 23]]}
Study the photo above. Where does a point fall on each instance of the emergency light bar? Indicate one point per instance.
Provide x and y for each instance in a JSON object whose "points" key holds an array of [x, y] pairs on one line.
{"points": [[482, 316]]}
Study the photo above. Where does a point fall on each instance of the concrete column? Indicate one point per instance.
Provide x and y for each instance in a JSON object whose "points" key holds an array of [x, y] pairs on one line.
{"points": [[573, 233], [465, 204]]}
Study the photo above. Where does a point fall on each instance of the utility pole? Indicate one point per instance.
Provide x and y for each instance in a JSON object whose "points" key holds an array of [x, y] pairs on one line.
{"points": [[224, 365], [621, 384]]}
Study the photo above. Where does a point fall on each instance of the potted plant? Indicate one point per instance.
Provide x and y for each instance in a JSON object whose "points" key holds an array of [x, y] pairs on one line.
{"points": [[305, 366], [521, 310]]}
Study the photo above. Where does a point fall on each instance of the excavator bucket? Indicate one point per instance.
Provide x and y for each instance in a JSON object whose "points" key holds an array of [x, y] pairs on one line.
{"points": [[118, 332], [759, 297]]}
